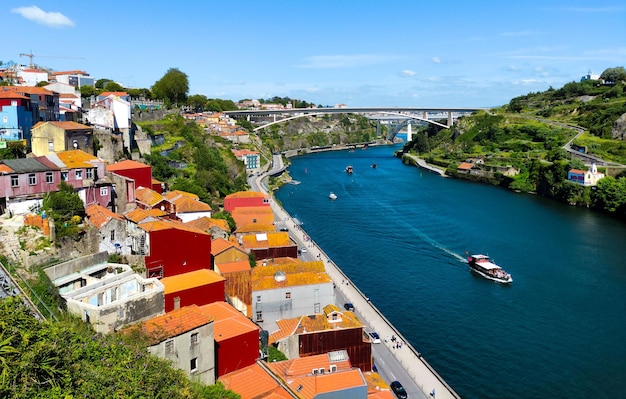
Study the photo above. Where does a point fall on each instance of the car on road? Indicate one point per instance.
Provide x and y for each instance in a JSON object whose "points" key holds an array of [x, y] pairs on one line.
{"points": [[399, 390], [349, 306], [374, 336], [303, 250]]}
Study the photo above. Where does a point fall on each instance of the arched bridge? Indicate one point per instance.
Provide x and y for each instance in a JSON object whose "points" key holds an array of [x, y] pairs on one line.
{"points": [[398, 116]]}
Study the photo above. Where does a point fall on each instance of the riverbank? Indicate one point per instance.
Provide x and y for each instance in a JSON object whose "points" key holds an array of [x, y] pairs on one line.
{"points": [[423, 375]]}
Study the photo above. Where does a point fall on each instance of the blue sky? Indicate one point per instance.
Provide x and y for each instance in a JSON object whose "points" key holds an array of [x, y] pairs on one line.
{"points": [[356, 52]]}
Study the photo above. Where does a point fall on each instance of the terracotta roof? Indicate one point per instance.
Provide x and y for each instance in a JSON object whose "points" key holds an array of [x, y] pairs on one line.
{"points": [[167, 224], [267, 240], [577, 171], [12, 94], [173, 195], [189, 280], [206, 223], [297, 274], [377, 387], [465, 166], [113, 93], [220, 245], [229, 322], [256, 228], [246, 194], [286, 328], [232, 267], [174, 323], [27, 89], [65, 125], [148, 196], [318, 322], [187, 204], [99, 215], [239, 153], [76, 159], [5, 169], [137, 215], [253, 382], [244, 215], [125, 165]]}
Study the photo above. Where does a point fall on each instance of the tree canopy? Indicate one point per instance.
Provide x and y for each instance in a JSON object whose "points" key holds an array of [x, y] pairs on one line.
{"points": [[617, 74], [172, 87]]}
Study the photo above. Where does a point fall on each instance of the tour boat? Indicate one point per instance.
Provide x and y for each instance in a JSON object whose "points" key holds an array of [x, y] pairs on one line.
{"points": [[482, 265], [332, 196]]}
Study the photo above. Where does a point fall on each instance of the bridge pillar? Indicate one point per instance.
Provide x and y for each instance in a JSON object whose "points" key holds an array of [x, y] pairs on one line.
{"points": [[449, 118], [425, 115], [409, 134]]}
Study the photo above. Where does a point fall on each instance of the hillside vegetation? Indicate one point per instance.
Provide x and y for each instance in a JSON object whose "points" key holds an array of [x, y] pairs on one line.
{"points": [[520, 146]]}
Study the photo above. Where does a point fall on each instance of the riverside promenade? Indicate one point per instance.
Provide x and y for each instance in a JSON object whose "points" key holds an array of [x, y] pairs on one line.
{"points": [[425, 377]]}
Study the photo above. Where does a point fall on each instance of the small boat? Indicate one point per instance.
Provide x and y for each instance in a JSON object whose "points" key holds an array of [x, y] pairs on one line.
{"points": [[332, 196], [482, 265], [349, 169]]}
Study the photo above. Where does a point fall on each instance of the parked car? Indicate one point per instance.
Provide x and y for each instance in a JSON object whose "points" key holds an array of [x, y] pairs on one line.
{"points": [[375, 337], [349, 306], [399, 390]]}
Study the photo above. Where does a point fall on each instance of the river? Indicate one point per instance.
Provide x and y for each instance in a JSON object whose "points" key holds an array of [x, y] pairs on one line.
{"points": [[401, 233]]}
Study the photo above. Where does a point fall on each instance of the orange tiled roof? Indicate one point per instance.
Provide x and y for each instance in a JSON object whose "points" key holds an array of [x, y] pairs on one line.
{"points": [[187, 204], [220, 245], [232, 267], [286, 328], [176, 322], [256, 228], [27, 89], [137, 215], [377, 387], [266, 240], [318, 322], [303, 273], [5, 169], [228, 321], [99, 215], [246, 194], [12, 94], [189, 280], [113, 93], [206, 223], [75, 72], [253, 382], [465, 166], [166, 224], [126, 164], [253, 214], [577, 171], [76, 158], [173, 195], [65, 125], [148, 196]]}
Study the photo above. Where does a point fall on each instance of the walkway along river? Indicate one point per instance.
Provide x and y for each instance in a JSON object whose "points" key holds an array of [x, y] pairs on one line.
{"points": [[400, 234]]}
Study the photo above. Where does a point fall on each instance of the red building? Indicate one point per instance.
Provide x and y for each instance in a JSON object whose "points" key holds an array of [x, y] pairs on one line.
{"points": [[194, 288], [173, 248], [236, 338], [137, 171], [245, 199]]}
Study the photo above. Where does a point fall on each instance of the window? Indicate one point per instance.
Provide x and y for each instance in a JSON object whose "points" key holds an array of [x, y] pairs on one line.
{"points": [[112, 235], [287, 295], [194, 339], [104, 191], [79, 174], [49, 178], [51, 145], [333, 368], [193, 364], [15, 180], [169, 347], [258, 298], [89, 173], [32, 179], [64, 176], [259, 316]]}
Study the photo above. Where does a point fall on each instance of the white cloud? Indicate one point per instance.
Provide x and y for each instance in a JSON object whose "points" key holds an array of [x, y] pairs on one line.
{"points": [[435, 60], [36, 14], [344, 61], [407, 73]]}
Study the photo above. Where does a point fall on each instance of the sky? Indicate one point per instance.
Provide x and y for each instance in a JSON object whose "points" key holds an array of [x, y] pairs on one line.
{"points": [[361, 53]]}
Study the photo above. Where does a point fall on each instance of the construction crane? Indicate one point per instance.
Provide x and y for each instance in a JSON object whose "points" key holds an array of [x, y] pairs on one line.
{"points": [[31, 56]]}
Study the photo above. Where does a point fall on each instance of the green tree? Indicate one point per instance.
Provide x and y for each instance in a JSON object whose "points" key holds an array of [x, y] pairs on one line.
{"points": [[42, 84], [160, 169], [617, 74], [113, 86], [173, 86], [225, 215], [197, 102], [66, 208], [100, 83], [88, 91]]}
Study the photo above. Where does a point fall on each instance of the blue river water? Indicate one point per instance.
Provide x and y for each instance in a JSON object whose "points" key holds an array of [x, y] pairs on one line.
{"points": [[401, 234]]}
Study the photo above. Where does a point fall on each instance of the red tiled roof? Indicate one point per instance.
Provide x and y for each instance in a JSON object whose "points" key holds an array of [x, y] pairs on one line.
{"points": [[27, 89], [232, 267], [187, 204], [65, 125], [253, 382], [99, 215], [206, 223], [246, 194], [220, 245], [465, 166], [12, 94], [148, 196], [229, 322], [125, 165], [176, 322], [5, 169]]}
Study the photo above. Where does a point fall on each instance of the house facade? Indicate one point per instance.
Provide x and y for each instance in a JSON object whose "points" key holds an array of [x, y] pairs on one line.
{"points": [[16, 116], [251, 159], [23, 183], [111, 229], [186, 338], [56, 136], [585, 177]]}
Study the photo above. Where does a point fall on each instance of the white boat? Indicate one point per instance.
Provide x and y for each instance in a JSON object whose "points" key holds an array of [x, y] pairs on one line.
{"points": [[332, 196], [482, 265]]}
